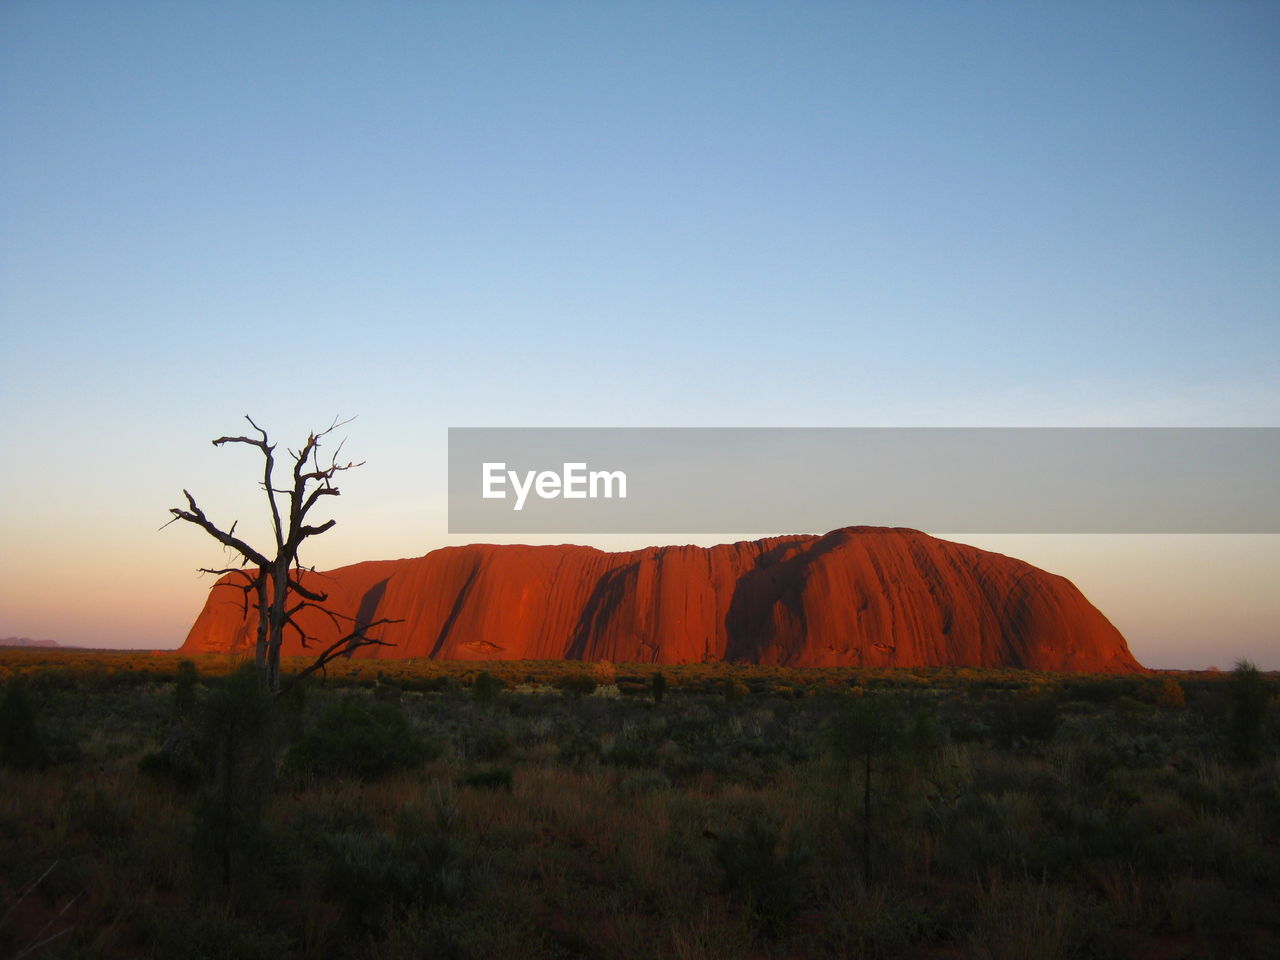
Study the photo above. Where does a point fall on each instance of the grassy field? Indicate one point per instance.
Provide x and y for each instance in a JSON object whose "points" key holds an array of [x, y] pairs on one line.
{"points": [[155, 808]]}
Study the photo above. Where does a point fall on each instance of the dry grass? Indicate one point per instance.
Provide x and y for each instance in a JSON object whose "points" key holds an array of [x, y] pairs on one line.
{"points": [[1121, 830]]}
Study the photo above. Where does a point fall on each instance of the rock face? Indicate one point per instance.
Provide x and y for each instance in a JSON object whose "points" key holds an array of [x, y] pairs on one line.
{"points": [[859, 596], [26, 642]]}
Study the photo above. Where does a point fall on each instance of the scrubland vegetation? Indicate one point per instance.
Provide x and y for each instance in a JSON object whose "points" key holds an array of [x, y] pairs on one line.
{"points": [[151, 807]]}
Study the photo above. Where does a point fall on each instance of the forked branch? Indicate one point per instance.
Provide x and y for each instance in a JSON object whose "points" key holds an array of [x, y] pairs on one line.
{"points": [[344, 647]]}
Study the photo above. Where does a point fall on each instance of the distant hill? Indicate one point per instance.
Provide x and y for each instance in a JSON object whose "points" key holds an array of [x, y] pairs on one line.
{"points": [[860, 596], [26, 642]]}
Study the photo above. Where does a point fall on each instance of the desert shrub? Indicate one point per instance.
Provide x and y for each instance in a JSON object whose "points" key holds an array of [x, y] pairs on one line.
{"points": [[882, 925], [763, 870], [963, 722], [355, 739], [177, 761], [636, 747], [104, 817], [441, 683], [367, 876], [338, 811], [22, 744], [998, 773], [237, 743], [1250, 698], [1140, 749], [378, 877], [576, 684], [922, 733], [1095, 759], [293, 709], [867, 746], [1171, 694], [184, 933], [1161, 832], [1131, 786], [1032, 720], [659, 687], [486, 687], [152, 764], [579, 748], [632, 686], [1025, 919], [978, 832], [1202, 906], [184, 690], [865, 727], [489, 778], [642, 782], [489, 743], [1094, 689]]}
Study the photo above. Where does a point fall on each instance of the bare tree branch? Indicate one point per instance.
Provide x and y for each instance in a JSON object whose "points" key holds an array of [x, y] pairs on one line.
{"points": [[347, 645], [196, 515], [242, 570], [298, 588]]}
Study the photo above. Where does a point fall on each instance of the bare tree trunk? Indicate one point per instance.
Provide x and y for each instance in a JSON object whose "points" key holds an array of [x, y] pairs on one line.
{"points": [[260, 651], [279, 599]]}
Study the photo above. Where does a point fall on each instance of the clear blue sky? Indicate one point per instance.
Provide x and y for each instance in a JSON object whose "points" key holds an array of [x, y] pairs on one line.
{"points": [[624, 213]]}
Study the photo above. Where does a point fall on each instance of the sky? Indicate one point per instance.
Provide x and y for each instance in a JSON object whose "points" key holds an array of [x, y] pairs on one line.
{"points": [[626, 214]]}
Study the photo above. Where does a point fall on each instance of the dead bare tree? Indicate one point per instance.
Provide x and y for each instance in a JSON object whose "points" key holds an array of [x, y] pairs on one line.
{"points": [[272, 580]]}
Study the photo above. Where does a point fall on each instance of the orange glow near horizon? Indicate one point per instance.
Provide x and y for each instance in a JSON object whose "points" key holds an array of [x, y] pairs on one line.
{"points": [[1182, 602]]}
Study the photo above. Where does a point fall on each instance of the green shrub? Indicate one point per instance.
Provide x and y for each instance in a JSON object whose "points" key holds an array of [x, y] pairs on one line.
{"points": [[636, 747], [1033, 720], [22, 744], [191, 932], [378, 877], [576, 684], [866, 736], [177, 760], [490, 744], [486, 687], [237, 743], [489, 778], [633, 686], [293, 709], [659, 687], [642, 782], [579, 748], [762, 871], [104, 817], [441, 683], [184, 690], [1250, 698], [359, 740]]}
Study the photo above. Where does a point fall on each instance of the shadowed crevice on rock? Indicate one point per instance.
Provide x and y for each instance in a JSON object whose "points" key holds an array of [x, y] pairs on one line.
{"points": [[607, 597], [369, 607], [775, 579], [458, 603]]}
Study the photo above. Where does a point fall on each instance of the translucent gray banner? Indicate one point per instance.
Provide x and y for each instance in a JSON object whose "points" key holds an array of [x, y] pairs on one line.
{"points": [[809, 480]]}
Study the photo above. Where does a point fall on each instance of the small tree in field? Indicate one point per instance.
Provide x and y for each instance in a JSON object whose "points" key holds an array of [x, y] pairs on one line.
{"points": [[272, 577]]}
